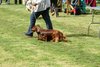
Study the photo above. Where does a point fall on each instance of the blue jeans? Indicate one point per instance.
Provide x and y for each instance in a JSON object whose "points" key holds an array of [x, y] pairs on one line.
{"points": [[35, 15]]}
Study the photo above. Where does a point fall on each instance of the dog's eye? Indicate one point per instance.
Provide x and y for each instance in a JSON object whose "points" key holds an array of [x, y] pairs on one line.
{"points": [[38, 32]]}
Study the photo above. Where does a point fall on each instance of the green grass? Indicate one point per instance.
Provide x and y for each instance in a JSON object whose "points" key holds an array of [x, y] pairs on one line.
{"points": [[16, 50]]}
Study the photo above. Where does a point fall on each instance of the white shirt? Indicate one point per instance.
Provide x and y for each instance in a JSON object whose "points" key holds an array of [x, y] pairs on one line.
{"points": [[41, 5]]}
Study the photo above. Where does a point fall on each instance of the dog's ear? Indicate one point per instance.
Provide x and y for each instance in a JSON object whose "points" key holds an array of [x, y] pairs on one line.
{"points": [[34, 29], [38, 30]]}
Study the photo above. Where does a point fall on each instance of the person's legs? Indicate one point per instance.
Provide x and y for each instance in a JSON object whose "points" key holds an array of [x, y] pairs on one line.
{"points": [[15, 1], [56, 11], [7, 1], [46, 18], [20, 1], [83, 7], [33, 18], [52, 6], [55, 7]]}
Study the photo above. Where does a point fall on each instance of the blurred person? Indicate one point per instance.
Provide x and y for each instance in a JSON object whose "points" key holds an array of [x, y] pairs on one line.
{"points": [[54, 7], [20, 1], [91, 3], [7, 1]]}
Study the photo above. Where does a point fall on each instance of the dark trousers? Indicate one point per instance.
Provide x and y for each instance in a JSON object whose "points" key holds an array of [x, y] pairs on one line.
{"points": [[35, 15], [54, 2], [8, 1], [20, 1], [54, 7]]}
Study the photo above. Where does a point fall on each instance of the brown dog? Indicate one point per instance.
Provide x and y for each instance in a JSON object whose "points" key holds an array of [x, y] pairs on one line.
{"points": [[48, 35]]}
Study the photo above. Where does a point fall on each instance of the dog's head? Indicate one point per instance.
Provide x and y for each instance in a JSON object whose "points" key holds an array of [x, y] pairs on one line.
{"points": [[36, 28]]}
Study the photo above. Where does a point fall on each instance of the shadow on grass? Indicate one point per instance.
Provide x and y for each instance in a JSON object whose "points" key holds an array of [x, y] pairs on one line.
{"points": [[80, 35]]}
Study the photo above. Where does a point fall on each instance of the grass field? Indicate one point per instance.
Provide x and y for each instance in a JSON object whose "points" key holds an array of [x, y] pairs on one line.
{"points": [[16, 50]]}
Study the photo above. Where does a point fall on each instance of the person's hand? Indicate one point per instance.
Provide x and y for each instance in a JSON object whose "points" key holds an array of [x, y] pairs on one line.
{"points": [[34, 4]]}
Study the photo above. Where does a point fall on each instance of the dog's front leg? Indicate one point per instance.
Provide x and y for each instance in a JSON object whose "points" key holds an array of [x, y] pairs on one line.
{"points": [[56, 39]]}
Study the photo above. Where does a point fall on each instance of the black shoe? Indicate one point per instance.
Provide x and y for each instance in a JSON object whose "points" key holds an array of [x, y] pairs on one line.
{"points": [[29, 35]]}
